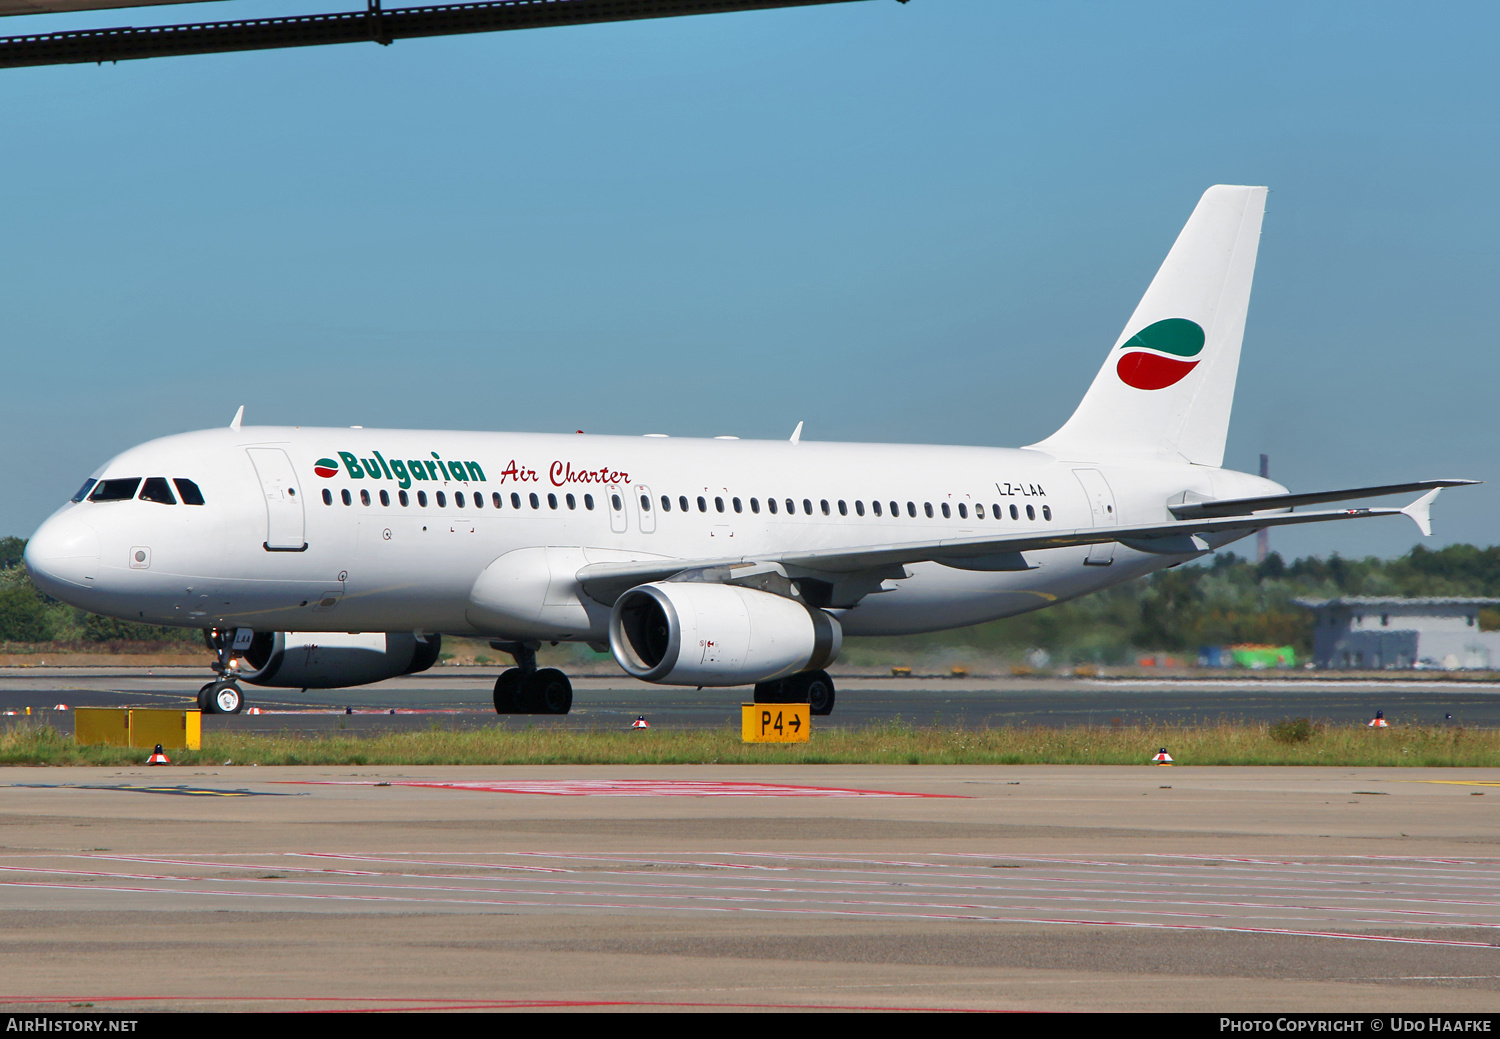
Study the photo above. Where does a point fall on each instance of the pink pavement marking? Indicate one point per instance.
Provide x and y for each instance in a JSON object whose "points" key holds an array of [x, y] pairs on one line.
{"points": [[624, 788]]}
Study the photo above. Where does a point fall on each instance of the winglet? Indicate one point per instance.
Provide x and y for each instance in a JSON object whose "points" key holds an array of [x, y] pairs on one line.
{"points": [[1420, 512], [238, 418], [797, 434]]}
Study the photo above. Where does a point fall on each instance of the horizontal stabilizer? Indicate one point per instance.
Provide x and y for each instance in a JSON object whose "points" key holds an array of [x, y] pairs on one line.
{"points": [[1245, 506]]}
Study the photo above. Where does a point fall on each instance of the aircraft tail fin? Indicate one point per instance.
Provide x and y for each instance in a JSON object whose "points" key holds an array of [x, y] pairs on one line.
{"points": [[1167, 387]]}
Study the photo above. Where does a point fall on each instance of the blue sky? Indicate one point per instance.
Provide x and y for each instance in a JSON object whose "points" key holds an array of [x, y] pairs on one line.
{"points": [[922, 222]]}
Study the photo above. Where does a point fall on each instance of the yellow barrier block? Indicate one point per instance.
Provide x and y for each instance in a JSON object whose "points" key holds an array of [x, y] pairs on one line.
{"points": [[775, 722], [174, 730], [107, 725], [140, 727]]}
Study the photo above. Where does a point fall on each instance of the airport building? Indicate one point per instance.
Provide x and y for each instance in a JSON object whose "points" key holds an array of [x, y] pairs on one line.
{"points": [[1367, 632]]}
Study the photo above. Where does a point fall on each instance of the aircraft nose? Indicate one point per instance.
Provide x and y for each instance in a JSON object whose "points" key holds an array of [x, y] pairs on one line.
{"points": [[62, 554]]}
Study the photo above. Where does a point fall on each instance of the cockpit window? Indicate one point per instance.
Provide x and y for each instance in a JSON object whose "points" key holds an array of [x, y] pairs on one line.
{"points": [[84, 490], [116, 490], [156, 490], [191, 495]]}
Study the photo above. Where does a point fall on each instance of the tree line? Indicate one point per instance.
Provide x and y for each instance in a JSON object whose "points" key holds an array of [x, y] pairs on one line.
{"points": [[1221, 600]]}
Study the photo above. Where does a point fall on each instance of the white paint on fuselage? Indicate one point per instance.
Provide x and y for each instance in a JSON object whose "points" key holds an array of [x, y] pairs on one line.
{"points": [[395, 568]]}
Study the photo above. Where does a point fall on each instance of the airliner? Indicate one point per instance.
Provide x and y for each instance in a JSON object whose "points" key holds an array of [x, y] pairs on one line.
{"points": [[330, 557]]}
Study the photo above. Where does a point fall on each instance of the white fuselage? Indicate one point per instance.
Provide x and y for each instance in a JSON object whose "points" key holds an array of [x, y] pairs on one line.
{"points": [[376, 564]]}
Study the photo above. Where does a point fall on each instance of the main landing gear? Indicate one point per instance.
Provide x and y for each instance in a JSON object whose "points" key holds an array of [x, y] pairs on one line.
{"points": [[813, 688], [527, 689], [223, 695]]}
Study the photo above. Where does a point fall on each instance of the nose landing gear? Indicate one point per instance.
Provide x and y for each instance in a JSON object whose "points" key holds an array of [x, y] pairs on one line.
{"points": [[223, 695], [527, 689]]}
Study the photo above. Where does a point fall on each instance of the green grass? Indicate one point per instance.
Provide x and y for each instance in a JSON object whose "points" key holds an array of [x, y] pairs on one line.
{"points": [[896, 744]]}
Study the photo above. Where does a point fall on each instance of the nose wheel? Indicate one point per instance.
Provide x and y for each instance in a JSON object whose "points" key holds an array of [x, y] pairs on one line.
{"points": [[221, 698]]}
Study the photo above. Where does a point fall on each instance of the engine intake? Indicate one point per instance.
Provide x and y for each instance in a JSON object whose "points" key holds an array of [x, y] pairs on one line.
{"points": [[688, 633]]}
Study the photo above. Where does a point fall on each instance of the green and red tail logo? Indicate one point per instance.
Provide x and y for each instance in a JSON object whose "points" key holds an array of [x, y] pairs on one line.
{"points": [[1157, 356], [326, 467]]}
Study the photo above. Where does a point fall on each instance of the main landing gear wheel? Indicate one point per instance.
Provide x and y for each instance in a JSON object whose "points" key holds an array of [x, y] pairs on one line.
{"points": [[813, 688], [508, 692], [547, 691], [818, 690], [221, 698]]}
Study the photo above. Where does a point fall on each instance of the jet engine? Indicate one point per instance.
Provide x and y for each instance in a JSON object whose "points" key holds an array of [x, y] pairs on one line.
{"points": [[688, 633], [332, 659]]}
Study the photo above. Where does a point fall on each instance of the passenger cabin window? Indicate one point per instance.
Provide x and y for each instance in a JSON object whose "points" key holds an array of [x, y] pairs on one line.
{"points": [[791, 507], [737, 506], [536, 503], [345, 496], [947, 513], [1030, 513], [1046, 512], [1015, 513], [616, 503], [771, 504], [385, 498], [807, 506], [458, 498], [755, 505], [155, 489], [911, 509], [682, 502], [927, 508], [666, 503], [495, 500], [875, 507], [702, 504], [421, 498], [859, 507], [552, 501], [963, 511], [588, 502], [328, 496], [364, 497], [442, 500], [478, 500], [572, 502], [116, 490], [403, 498], [84, 490]]}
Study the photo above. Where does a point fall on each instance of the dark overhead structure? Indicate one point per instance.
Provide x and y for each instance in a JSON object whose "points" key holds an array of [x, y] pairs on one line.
{"points": [[372, 25]]}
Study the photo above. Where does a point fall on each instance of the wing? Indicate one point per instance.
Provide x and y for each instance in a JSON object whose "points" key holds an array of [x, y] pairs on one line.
{"points": [[860, 570], [1241, 506]]}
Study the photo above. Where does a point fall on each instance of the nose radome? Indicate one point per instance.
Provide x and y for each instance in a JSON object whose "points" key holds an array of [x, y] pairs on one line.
{"points": [[65, 551]]}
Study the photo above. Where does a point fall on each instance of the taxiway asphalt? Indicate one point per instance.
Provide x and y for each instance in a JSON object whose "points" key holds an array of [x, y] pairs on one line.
{"points": [[1028, 888], [461, 696]]}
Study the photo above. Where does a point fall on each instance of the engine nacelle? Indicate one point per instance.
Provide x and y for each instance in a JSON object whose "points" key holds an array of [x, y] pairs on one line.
{"points": [[689, 633], [334, 659]]}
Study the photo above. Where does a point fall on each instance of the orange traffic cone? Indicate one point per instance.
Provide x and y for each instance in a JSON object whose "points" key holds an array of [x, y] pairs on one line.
{"points": [[157, 757], [1379, 722], [640, 723], [1162, 757], [252, 710]]}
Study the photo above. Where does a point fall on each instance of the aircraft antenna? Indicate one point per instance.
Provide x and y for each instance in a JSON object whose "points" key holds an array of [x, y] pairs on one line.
{"points": [[239, 417], [797, 434]]}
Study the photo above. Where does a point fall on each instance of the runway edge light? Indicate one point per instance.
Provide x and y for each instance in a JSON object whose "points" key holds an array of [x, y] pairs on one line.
{"points": [[1378, 722], [1162, 757], [158, 757]]}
